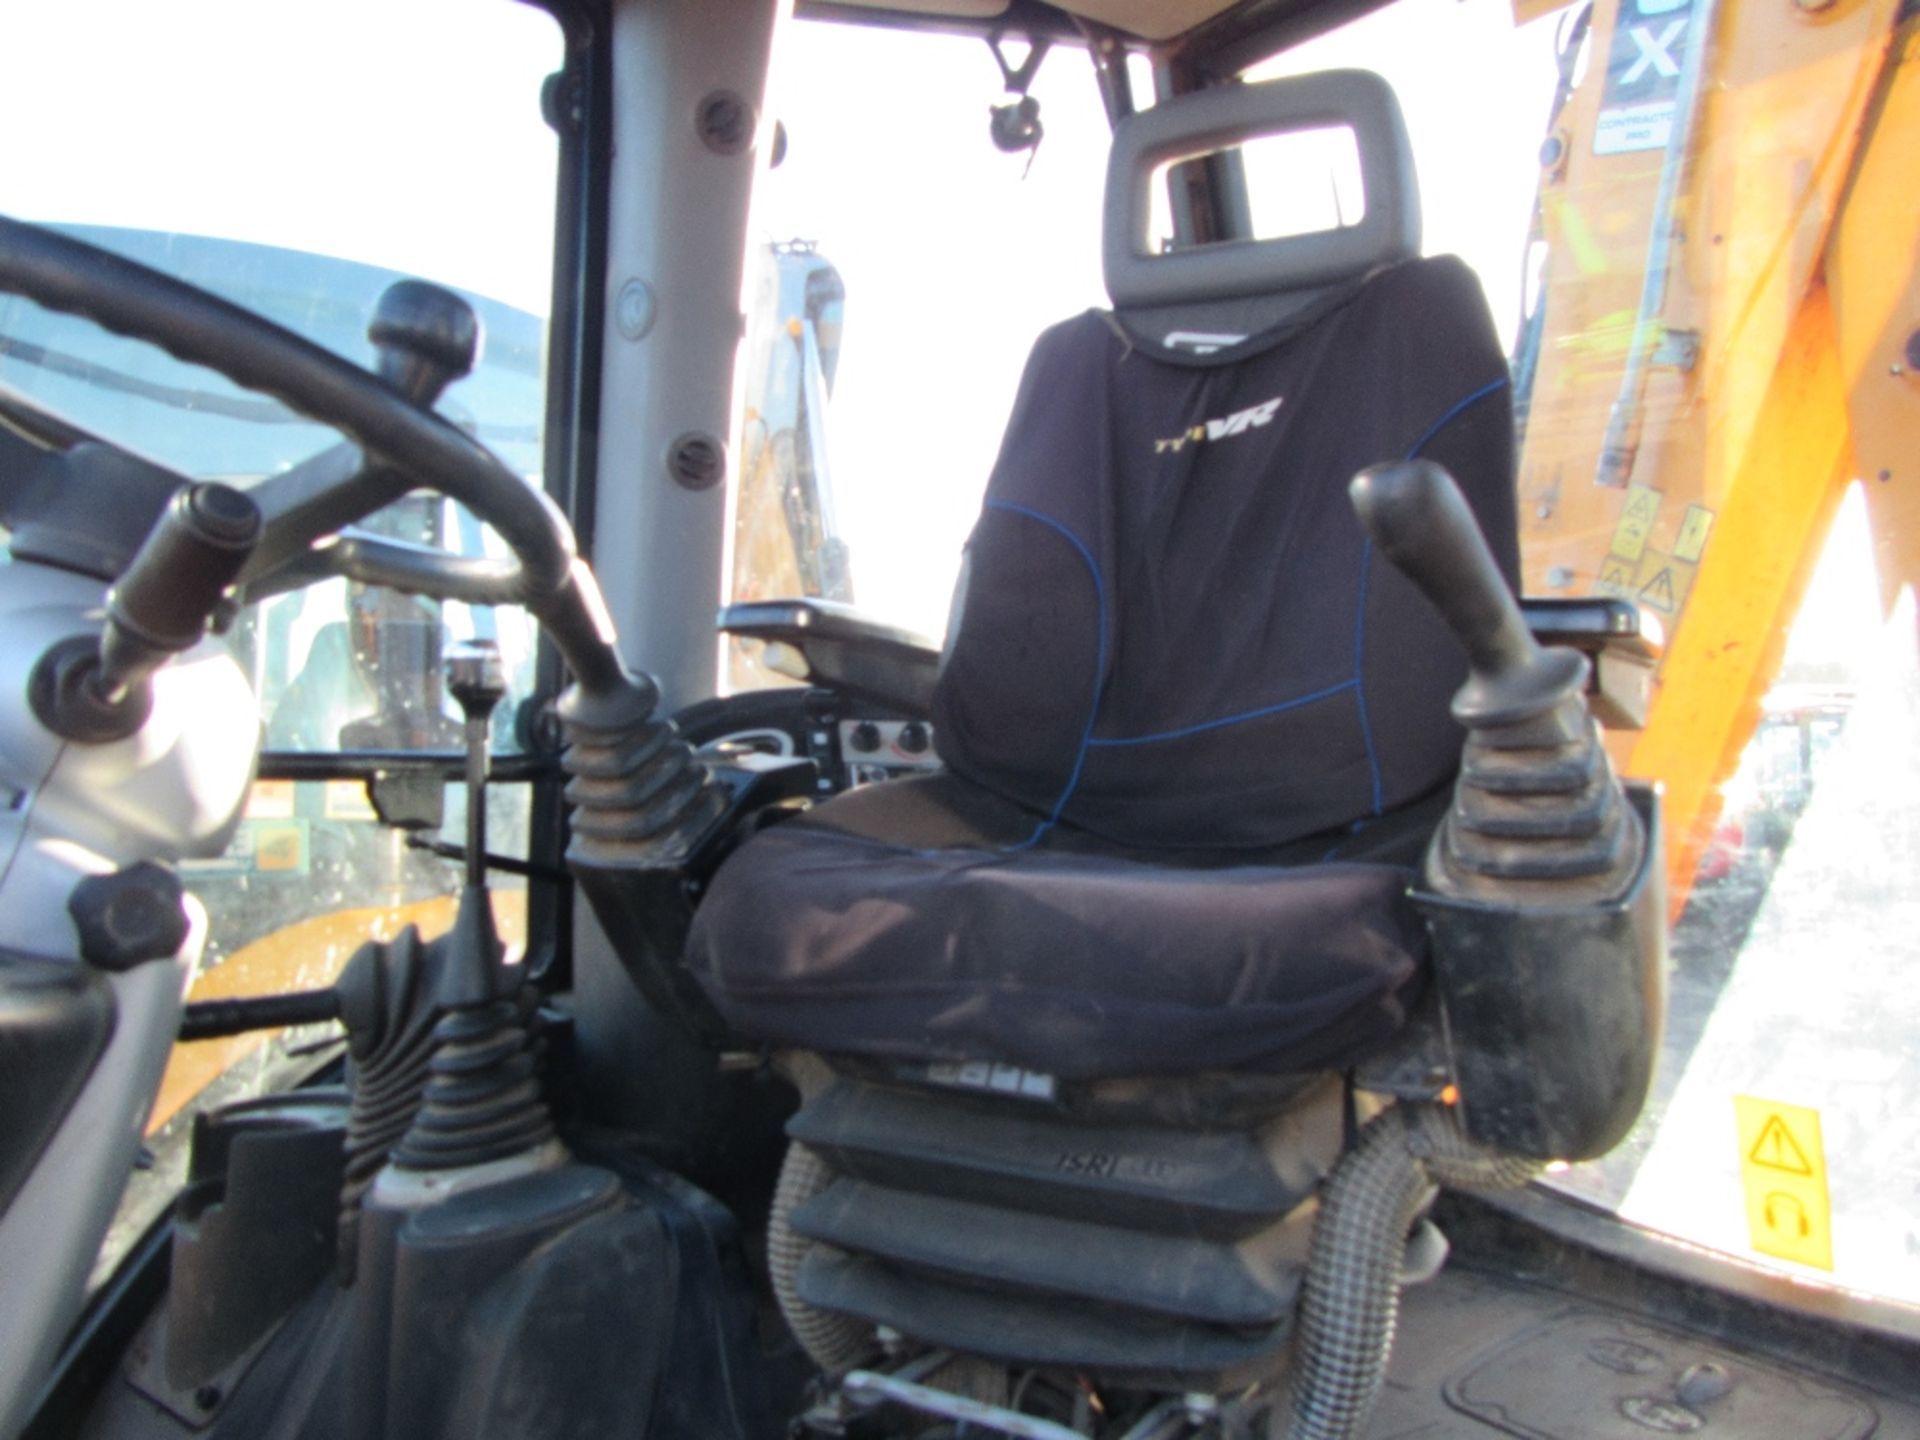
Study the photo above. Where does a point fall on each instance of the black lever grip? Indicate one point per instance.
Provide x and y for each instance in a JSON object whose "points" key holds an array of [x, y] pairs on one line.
{"points": [[94, 692], [1416, 515], [183, 570], [426, 337]]}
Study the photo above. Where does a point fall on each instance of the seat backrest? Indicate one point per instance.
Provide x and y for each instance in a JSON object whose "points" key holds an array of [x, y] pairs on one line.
{"points": [[1171, 630]]}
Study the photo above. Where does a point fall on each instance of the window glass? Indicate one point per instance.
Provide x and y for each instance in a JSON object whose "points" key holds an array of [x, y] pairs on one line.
{"points": [[916, 263], [276, 186], [1297, 183], [296, 160], [1308, 180], [1475, 90]]}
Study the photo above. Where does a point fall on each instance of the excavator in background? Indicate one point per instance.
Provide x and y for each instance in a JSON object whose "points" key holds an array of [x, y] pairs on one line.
{"points": [[787, 537]]}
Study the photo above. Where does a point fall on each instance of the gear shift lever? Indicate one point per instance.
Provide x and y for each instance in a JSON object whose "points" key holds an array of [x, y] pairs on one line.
{"points": [[476, 680]]}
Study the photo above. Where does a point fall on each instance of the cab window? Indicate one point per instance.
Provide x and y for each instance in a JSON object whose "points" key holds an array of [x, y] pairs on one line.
{"points": [[300, 190]]}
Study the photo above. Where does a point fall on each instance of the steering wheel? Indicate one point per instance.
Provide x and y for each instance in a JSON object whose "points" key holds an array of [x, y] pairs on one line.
{"points": [[416, 447]]}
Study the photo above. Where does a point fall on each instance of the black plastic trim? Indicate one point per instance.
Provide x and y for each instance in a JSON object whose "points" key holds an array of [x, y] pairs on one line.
{"points": [[1537, 1235], [1244, 35], [1023, 16], [1589, 623], [580, 106], [373, 764], [846, 650]]}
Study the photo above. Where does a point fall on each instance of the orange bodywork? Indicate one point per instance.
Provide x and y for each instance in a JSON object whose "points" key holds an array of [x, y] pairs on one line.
{"points": [[1794, 262], [306, 955]]}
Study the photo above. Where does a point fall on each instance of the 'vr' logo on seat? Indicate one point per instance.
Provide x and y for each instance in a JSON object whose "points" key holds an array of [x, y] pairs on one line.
{"points": [[1251, 418]]}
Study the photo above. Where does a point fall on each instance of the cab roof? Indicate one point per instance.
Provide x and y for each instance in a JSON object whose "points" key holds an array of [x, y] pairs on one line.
{"points": [[1213, 38]]}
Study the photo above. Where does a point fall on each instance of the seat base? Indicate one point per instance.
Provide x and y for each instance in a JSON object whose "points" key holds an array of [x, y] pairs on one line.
{"points": [[1161, 1256], [914, 921]]}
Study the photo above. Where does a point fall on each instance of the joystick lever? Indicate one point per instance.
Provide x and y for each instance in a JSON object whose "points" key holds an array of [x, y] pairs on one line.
{"points": [[1416, 515], [1537, 798]]}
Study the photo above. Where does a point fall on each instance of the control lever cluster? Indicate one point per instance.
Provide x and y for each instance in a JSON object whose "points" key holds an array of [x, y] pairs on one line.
{"points": [[1537, 800], [1543, 891]]}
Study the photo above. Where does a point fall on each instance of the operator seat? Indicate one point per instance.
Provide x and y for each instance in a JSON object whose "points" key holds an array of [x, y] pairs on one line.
{"points": [[1081, 1025], [1196, 730], [1070, 1019]]}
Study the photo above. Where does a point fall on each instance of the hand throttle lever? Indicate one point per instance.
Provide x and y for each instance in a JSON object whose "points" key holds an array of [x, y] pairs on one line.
{"points": [[160, 606]]}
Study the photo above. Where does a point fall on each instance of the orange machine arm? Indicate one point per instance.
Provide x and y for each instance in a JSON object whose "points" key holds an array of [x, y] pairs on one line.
{"points": [[1790, 259]]}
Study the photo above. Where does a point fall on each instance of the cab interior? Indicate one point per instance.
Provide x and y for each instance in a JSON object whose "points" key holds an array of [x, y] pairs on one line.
{"points": [[1195, 968]]}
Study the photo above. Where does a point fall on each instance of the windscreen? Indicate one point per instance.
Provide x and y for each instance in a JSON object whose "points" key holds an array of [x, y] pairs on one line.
{"points": [[296, 159]]}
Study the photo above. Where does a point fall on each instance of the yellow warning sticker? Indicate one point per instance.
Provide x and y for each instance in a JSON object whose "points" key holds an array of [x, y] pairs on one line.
{"points": [[1662, 583], [1784, 1169], [347, 800], [1692, 539], [280, 846], [270, 800], [1616, 577], [1636, 521]]}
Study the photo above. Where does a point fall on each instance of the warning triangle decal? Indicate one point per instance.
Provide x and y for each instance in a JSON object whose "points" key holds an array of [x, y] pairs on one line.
{"points": [[1778, 1150]]}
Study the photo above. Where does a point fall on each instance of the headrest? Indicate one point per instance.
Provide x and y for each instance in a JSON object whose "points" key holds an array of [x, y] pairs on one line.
{"points": [[1220, 118]]}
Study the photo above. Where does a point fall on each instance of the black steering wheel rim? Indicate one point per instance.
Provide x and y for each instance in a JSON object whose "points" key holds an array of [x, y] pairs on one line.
{"points": [[422, 450], [129, 299]]}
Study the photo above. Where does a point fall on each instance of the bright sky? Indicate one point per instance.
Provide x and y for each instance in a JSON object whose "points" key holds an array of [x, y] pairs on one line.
{"points": [[306, 126], [954, 262], [1475, 90]]}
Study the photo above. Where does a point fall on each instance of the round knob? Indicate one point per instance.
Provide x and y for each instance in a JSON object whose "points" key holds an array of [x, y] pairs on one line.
{"points": [[428, 337], [914, 737], [476, 677], [865, 737], [128, 917]]}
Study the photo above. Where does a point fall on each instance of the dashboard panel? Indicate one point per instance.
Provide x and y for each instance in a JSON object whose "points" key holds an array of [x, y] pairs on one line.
{"points": [[852, 742]]}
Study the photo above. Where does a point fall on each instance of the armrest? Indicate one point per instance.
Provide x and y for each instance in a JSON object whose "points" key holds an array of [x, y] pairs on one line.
{"points": [[831, 644], [1621, 641], [827, 643]]}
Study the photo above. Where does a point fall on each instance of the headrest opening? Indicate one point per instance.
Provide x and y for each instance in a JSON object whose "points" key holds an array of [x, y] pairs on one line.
{"points": [[1219, 119]]}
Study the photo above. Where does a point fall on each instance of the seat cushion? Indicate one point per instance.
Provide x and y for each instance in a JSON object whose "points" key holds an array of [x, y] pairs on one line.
{"points": [[910, 921]]}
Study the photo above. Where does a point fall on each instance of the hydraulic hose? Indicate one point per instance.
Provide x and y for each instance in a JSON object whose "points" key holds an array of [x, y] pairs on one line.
{"points": [[836, 1343], [1351, 1299]]}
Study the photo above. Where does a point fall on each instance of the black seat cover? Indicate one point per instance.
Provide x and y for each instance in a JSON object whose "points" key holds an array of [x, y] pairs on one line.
{"points": [[1174, 631], [1179, 676]]}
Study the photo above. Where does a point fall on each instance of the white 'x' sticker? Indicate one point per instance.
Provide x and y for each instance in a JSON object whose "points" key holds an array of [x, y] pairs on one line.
{"points": [[1654, 53]]}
